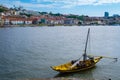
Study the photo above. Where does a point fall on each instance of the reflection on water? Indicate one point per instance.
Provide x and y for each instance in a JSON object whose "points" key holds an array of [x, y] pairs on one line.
{"points": [[88, 73]]}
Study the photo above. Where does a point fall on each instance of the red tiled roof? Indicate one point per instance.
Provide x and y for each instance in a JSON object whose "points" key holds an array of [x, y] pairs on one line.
{"points": [[12, 18]]}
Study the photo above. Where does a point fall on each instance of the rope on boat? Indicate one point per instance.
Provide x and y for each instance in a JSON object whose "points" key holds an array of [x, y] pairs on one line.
{"points": [[76, 62]]}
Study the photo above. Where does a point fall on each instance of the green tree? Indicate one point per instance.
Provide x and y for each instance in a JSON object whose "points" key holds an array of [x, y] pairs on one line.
{"points": [[42, 13], [3, 8], [28, 15], [76, 17]]}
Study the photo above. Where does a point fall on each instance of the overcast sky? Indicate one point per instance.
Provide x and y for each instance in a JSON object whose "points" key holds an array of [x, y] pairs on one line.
{"points": [[79, 7]]}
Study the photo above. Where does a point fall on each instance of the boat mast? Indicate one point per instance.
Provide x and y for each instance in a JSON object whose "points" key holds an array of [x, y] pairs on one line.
{"points": [[85, 55]]}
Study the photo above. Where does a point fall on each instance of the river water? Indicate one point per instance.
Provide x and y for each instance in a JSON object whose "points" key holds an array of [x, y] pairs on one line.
{"points": [[28, 52]]}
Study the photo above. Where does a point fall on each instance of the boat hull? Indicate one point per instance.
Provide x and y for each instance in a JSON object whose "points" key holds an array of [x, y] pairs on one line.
{"points": [[67, 67]]}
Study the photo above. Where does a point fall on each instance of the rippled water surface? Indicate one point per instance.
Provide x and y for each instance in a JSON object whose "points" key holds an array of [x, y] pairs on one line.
{"points": [[28, 52]]}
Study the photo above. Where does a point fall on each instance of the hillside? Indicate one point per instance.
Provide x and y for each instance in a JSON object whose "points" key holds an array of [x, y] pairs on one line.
{"points": [[2, 8]]}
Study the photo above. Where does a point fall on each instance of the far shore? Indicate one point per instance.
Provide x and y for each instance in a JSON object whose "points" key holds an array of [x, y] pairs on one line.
{"points": [[45, 25], [35, 25]]}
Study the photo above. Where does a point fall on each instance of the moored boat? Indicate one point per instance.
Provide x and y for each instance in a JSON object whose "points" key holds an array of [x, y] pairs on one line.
{"points": [[79, 65]]}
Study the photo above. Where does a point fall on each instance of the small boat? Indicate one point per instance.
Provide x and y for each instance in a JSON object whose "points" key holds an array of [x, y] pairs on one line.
{"points": [[79, 65], [82, 65]]}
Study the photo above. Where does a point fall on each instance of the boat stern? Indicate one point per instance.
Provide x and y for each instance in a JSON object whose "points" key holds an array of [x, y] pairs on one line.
{"points": [[97, 59]]}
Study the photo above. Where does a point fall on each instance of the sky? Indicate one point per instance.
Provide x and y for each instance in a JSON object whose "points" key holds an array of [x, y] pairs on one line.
{"points": [[78, 7]]}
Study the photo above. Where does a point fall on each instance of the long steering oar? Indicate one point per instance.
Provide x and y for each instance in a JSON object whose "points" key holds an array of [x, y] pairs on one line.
{"points": [[110, 58], [104, 57]]}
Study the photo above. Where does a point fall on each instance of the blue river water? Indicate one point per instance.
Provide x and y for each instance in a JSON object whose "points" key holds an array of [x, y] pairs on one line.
{"points": [[28, 52]]}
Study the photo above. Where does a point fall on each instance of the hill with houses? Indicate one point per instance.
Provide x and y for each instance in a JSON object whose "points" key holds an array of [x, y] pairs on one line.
{"points": [[17, 16]]}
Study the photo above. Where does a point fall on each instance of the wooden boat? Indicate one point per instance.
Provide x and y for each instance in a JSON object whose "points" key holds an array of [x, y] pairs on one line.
{"points": [[79, 65], [83, 65]]}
